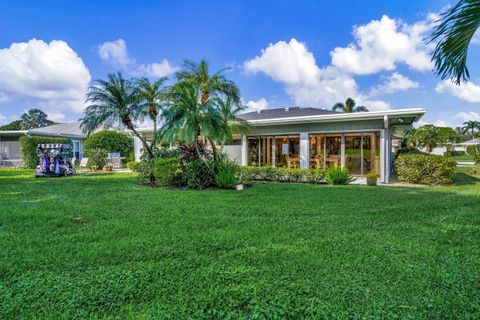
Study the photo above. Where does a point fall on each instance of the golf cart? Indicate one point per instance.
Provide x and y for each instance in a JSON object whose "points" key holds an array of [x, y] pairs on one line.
{"points": [[54, 160]]}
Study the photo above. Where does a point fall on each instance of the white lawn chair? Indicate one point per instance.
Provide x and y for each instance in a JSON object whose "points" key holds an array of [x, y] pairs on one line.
{"points": [[83, 163]]}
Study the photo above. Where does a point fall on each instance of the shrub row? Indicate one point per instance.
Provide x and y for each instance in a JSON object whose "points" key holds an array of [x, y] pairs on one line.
{"points": [[28, 148], [249, 174], [425, 169]]}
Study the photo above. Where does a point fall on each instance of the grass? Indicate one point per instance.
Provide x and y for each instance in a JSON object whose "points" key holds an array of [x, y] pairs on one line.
{"points": [[465, 157], [100, 246]]}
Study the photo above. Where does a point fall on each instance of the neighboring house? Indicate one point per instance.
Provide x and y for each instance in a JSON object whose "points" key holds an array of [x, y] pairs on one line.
{"points": [[462, 146], [318, 138], [10, 149]]}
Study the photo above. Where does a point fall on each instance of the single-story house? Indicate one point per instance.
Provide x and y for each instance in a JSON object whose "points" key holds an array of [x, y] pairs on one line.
{"points": [[10, 149], [318, 138], [462, 146]]}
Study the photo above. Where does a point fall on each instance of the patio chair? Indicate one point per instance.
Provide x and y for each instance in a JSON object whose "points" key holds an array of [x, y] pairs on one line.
{"points": [[83, 164]]}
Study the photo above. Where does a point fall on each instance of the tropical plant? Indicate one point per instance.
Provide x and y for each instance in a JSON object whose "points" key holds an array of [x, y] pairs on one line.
{"points": [[152, 98], [210, 87], [193, 151], [338, 176], [34, 118], [471, 126], [228, 112], [168, 172], [349, 106], [452, 35], [187, 118], [226, 172], [97, 158], [198, 174], [428, 137], [112, 141], [425, 168]]}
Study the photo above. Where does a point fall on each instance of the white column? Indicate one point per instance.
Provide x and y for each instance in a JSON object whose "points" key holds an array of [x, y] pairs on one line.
{"points": [[304, 150], [244, 151], [342, 151], [382, 156], [137, 148], [273, 151], [388, 158]]}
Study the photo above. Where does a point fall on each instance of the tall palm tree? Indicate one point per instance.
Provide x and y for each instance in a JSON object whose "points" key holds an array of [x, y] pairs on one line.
{"points": [[349, 106], [187, 117], [210, 86], [113, 102], [453, 34], [229, 114], [471, 126], [152, 99]]}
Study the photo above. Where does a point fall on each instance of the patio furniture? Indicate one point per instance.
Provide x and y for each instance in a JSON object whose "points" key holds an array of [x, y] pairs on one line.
{"points": [[115, 160]]}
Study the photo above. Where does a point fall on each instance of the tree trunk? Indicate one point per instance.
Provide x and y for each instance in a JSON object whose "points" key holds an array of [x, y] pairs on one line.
{"points": [[214, 148], [129, 125]]}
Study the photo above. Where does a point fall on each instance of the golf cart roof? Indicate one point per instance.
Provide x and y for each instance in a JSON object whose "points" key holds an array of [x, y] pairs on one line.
{"points": [[54, 146]]}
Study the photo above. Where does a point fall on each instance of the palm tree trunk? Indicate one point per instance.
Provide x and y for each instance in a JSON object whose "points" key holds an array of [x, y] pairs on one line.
{"points": [[214, 148], [149, 151]]}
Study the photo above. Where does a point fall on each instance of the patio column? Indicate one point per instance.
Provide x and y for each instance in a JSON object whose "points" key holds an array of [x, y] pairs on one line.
{"points": [[273, 151], [342, 151], [243, 152], [137, 148], [384, 156], [304, 150]]}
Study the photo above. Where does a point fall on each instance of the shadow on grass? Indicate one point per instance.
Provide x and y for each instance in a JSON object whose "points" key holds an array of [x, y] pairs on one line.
{"points": [[462, 179]]}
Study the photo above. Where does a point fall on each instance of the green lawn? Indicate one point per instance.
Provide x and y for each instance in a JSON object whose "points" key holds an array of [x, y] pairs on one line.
{"points": [[103, 247], [465, 157]]}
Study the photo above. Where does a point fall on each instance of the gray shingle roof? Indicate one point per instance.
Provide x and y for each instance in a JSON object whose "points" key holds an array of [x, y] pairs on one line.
{"points": [[284, 113], [71, 130]]}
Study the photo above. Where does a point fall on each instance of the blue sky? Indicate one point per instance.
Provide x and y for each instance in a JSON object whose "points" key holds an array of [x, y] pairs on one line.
{"points": [[282, 53]]}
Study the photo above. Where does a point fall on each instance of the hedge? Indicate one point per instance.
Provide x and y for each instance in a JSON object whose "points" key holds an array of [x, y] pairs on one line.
{"points": [[425, 169], [249, 174], [28, 148], [111, 141]]}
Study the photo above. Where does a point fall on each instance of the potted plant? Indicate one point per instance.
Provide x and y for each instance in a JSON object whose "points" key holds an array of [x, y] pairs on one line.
{"points": [[108, 167], [372, 179], [93, 168], [97, 158]]}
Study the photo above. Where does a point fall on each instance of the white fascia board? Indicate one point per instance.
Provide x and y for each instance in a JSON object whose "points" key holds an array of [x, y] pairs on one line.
{"points": [[417, 113], [13, 132]]}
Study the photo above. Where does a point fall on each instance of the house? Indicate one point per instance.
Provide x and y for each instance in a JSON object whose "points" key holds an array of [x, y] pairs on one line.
{"points": [[462, 146], [10, 149], [318, 138]]}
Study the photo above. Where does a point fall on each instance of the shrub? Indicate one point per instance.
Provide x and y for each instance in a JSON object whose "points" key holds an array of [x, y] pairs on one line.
{"points": [[425, 169], [372, 178], [143, 169], [226, 176], [168, 172], [110, 141], [247, 174], [97, 158], [190, 152], [163, 152], [338, 176], [198, 174], [28, 148], [474, 150]]}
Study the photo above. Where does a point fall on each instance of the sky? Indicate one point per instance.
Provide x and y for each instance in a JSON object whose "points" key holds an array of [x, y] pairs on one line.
{"points": [[280, 53]]}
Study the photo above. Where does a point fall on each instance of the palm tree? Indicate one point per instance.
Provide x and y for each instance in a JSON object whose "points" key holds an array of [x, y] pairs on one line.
{"points": [[232, 124], [152, 99], [210, 86], [453, 34], [113, 102], [471, 126], [34, 118], [349, 106], [187, 117]]}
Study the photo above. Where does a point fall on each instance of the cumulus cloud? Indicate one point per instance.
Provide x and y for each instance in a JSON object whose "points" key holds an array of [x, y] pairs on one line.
{"points": [[116, 53], [468, 116], [393, 83], [380, 44], [50, 74], [255, 105], [466, 91]]}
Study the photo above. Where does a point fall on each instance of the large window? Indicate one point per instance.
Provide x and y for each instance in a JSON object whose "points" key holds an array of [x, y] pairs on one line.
{"points": [[281, 151], [362, 154]]}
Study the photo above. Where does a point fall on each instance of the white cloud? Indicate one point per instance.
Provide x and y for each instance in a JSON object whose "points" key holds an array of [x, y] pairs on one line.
{"points": [[255, 105], [116, 53], [393, 83], [466, 91], [381, 44], [47, 73], [2, 118], [158, 70], [468, 116], [287, 62]]}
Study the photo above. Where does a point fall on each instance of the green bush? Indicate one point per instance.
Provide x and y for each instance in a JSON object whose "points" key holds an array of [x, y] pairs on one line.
{"points": [[474, 150], [28, 148], [168, 172], [97, 158], [226, 176], [198, 174], [162, 152], [110, 141], [143, 169], [248, 174], [338, 176], [425, 169]]}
